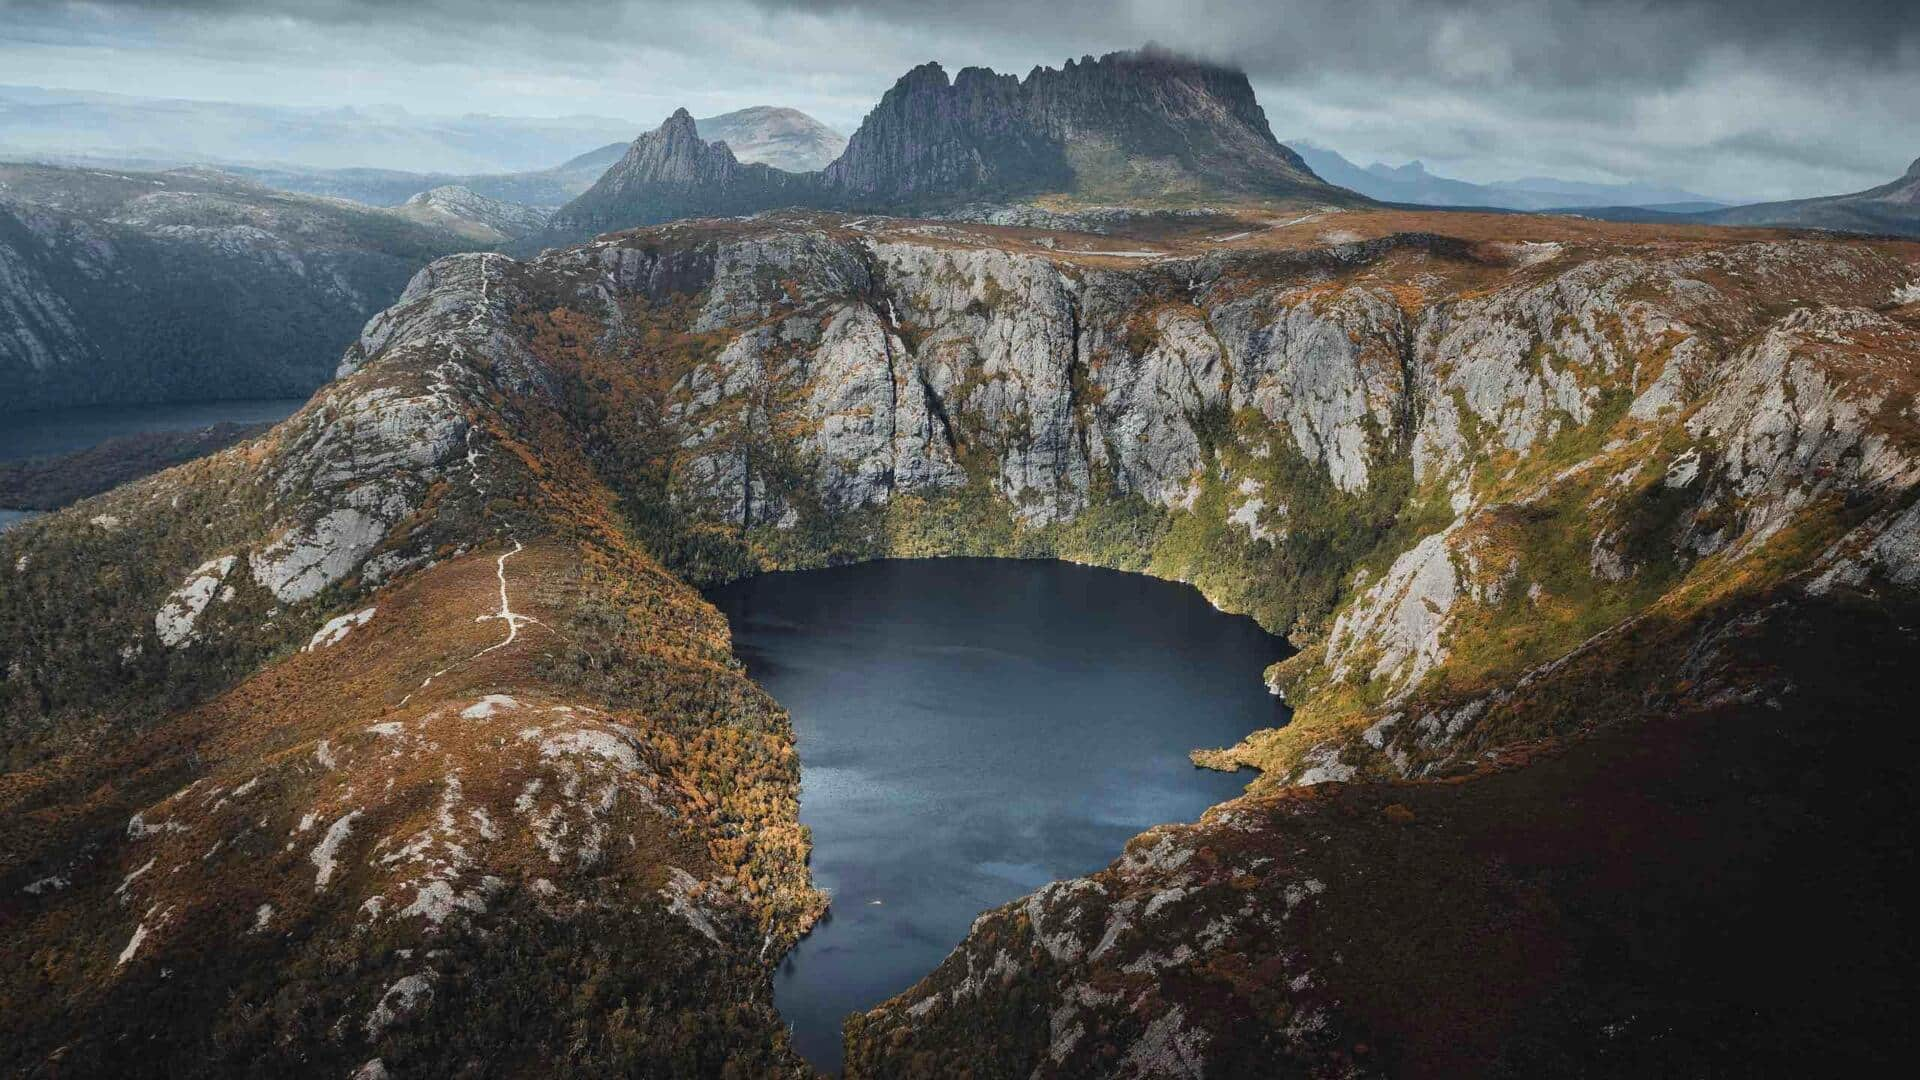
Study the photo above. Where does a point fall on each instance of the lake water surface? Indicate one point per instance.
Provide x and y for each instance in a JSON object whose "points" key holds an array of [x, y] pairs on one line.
{"points": [[62, 431], [970, 729]]}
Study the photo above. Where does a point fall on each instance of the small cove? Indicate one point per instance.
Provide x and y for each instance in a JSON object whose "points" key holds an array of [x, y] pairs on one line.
{"points": [[970, 729]]}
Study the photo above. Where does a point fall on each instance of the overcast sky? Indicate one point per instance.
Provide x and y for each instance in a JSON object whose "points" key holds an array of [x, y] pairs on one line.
{"points": [[1731, 98]]}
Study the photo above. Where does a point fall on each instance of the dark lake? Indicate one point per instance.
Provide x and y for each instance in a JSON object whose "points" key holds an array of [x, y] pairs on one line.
{"points": [[62, 431], [970, 729]]}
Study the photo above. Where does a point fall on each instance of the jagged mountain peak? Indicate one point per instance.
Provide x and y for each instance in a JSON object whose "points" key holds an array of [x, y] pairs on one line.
{"points": [[932, 72], [1143, 123], [678, 129], [672, 172]]}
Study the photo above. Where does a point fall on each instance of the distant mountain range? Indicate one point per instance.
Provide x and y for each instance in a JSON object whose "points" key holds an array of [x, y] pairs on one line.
{"points": [[1892, 208], [1412, 183], [381, 157], [1144, 125]]}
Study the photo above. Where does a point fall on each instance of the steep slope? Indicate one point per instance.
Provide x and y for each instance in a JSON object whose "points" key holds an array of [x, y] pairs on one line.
{"points": [[1128, 126], [1151, 123], [1560, 512], [929, 138], [672, 173], [436, 764], [137, 287]]}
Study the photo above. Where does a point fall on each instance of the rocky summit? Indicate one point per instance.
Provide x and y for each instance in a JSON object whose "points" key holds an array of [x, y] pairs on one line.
{"points": [[1126, 126], [672, 173], [396, 741]]}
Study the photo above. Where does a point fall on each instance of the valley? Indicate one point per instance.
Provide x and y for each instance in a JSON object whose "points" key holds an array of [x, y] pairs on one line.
{"points": [[1047, 585], [138, 288], [1540, 500]]}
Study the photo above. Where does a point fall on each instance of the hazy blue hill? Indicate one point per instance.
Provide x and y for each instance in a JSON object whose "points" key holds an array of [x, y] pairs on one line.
{"points": [[1412, 183]]}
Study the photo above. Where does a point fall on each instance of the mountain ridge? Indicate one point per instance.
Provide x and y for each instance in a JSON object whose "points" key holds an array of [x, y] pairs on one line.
{"points": [[1891, 209], [1142, 124], [398, 738]]}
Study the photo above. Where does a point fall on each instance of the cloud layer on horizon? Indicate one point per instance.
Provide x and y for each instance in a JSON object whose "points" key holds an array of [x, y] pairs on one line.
{"points": [[1753, 99]]}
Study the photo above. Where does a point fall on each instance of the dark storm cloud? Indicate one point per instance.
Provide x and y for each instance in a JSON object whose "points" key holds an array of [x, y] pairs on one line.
{"points": [[1563, 41], [1741, 97]]}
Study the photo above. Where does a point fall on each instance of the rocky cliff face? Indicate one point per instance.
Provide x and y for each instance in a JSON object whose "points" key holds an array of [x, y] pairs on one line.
{"points": [[1554, 509], [1141, 124], [1127, 125], [931, 138], [135, 287]]}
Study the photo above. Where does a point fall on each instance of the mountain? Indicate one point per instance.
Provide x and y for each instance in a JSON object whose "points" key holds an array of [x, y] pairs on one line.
{"points": [[460, 209], [1412, 183], [398, 741], [127, 287], [38, 123], [786, 139], [1892, 207], [672, 173], [1143, 125]]}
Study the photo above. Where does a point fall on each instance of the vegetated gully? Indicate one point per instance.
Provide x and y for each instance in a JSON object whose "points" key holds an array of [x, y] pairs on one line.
{"points": [[971, 729]]}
